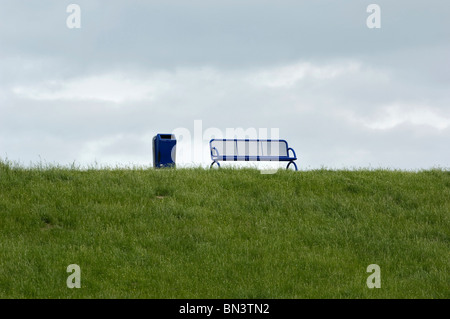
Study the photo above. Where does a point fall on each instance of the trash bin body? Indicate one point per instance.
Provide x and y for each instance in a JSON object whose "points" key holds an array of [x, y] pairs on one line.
{"points": [[164, 150]]}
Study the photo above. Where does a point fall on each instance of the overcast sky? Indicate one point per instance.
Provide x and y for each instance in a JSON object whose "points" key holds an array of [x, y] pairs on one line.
{"points": [[341, 94]]}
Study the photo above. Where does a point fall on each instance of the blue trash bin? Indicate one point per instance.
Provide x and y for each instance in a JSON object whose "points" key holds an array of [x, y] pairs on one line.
{"points": [[164, 150]]}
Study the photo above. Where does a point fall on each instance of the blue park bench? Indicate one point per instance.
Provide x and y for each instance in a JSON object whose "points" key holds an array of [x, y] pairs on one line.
{"points": [[251, 150]]}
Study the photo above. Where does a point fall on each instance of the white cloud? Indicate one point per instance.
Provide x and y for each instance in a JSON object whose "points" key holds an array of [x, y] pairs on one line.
{"points": [[114, 87], [117, 149], [398, 114], [288, 75]]}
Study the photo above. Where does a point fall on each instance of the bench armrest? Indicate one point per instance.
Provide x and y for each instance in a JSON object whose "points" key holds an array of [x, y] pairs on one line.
{"points": [[212, 150], [291, 149]]}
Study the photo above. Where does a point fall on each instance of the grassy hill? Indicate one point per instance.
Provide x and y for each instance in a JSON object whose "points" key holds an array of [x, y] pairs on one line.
{"points": [[228, 233]]}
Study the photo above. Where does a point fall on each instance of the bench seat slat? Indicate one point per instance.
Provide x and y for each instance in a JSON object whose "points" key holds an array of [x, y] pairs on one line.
{"points": [[235, 158]]}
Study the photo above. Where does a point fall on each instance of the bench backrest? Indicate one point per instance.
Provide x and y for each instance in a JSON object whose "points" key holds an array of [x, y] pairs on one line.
{"points": [[247, 147]]}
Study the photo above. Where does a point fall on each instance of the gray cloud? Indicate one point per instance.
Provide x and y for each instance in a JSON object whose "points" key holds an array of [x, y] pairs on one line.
{"points": [[343, 95]]}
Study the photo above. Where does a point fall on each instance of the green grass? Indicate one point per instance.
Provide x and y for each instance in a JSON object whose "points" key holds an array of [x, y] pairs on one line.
{"points": [[228, 233]]}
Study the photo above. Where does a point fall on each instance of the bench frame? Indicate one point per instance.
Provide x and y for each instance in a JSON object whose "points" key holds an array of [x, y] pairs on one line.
{"points": [[216, 157]]}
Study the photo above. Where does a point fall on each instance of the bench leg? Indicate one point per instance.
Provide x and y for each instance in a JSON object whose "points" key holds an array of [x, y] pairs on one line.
{"points": [[292, 162], [213, 164]]}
